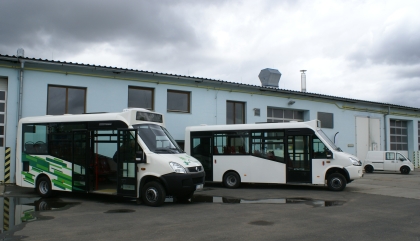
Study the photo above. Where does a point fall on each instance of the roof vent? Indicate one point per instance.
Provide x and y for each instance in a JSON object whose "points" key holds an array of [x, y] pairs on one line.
{"points": [[21, 52], [270, 77]]}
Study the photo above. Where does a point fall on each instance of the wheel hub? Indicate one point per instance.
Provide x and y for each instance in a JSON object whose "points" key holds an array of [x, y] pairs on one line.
{"points": [[336, 183], [151, 195]]}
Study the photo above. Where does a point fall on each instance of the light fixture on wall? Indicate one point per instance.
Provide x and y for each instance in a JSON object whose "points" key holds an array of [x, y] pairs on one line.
{"points": [[256, 111], [291, 102]]}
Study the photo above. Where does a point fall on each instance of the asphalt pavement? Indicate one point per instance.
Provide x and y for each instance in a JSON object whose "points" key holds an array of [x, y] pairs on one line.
{"points": [[380, 206]]}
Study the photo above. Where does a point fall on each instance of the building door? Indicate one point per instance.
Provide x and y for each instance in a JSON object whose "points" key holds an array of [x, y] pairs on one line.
{"points": [[368, 136], [126, 164], [3, 98], [299, 161]]}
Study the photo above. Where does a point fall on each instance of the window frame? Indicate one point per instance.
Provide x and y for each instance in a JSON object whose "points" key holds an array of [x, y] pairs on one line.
{"points": [[66, 98], [271, 118], [234, 112], [152, 90], [398, 135], [324, 116], [188, 93]]}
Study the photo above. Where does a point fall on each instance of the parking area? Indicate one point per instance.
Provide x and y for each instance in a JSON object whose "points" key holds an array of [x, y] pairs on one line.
{"points": [[380, 206]]}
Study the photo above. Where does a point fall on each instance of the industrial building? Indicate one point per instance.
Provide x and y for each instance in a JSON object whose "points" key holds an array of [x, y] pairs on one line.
{"points": [[35, 87]]}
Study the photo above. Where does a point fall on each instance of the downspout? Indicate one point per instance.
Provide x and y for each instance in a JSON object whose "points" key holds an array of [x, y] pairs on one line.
{"points": [[386, 128], [22, 66]]}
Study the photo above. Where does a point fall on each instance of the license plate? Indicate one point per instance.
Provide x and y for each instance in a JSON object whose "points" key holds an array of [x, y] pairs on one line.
{"points": [[199, 187]]}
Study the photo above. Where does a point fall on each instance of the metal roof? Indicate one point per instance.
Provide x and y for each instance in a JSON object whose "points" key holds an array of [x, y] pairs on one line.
{"points": [[201, 79]]}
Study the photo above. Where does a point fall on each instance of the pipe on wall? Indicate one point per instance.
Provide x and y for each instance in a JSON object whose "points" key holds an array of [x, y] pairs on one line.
{"points": [[386, 128], [22, 66]]}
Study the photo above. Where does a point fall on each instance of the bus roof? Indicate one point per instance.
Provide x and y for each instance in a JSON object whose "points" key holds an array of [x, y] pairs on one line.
{"points": [[128, 116], [308, 124]]}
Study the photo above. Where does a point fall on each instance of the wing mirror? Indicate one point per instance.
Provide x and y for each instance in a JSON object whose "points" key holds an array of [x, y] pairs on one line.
{"points": [[140, 157], [329, 154]]}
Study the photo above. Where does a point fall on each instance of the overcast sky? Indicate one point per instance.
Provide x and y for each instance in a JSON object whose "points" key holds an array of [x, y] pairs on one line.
{"points": [[368, 50]]}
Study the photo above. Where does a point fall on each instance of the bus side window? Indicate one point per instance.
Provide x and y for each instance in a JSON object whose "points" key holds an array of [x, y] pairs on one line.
{"points": [[319, 149], [35, 139]]}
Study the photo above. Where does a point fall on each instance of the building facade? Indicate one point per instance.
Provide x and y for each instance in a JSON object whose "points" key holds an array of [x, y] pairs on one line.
{"points": [[36, 87]]}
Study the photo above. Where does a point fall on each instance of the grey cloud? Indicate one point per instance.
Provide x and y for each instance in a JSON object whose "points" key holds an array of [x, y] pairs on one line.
{"points": [[76, 24], [395, 44]]}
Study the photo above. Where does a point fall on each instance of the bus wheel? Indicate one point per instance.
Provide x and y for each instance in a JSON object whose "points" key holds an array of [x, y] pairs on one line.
{"points": [[336, 182], [405, 170], [43, 187], [153, 194], [369, 169], [231, 180]]}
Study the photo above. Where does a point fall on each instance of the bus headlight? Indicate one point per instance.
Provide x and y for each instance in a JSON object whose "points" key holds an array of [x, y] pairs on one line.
{"points": [[355, 161], [177, 168]]}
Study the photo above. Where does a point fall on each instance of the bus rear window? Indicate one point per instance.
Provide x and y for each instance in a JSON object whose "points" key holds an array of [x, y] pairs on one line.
{"points": [[153, 117]]}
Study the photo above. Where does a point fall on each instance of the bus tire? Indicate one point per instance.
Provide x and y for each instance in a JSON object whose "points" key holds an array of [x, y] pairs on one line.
{"points": [[153, 194], [336, 182], [405, 170], [231, 180], [43, 187], [368, 169]]}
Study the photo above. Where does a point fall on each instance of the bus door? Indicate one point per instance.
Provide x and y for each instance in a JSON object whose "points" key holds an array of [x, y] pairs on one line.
{"points": [[80, 157], [201, 149], [126, 163], [299, 162]]}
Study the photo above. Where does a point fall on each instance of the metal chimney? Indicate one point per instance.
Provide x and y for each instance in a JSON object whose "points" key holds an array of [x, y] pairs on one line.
{"points": [[270, 77], [303, 80]]}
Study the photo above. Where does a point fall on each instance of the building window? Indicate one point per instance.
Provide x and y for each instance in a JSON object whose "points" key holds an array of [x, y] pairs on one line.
{"points": [[283, 115], [139, 97], [235, 112], [399, 137], [178, 101], [327, 119], [66, 100]]}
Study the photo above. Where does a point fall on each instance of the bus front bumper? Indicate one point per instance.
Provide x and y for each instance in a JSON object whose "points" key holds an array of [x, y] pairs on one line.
{"points": [[355, 172], [183, 184]]}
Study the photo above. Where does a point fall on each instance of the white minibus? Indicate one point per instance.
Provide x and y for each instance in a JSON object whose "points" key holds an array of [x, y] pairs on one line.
{"points": [[127, 154], [295, 152]]}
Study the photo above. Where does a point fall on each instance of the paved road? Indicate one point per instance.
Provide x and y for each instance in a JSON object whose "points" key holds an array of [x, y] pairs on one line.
{"points": [[381, 206]]}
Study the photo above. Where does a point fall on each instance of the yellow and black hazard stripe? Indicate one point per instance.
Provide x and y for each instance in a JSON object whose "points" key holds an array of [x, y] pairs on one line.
{"points": [[6, 214], [7, 165]]}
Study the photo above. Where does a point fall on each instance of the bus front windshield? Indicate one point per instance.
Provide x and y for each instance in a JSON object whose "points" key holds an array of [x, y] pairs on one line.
{"points": [[157, 139], [325, 137]]}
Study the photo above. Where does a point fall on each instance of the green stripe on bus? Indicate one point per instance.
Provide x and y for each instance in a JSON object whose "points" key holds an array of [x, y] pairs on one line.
{"points": [[36, 169], [58, 184], [42, 167], [62, 175], [29, 181], [28, 176], [57, 161]]}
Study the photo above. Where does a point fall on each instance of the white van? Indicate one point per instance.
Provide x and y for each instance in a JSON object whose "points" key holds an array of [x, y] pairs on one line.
{"points": [[387, 161]]}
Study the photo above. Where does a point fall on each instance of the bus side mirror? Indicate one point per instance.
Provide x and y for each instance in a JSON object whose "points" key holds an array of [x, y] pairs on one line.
{"points": [[140, 157], [329, 154]]}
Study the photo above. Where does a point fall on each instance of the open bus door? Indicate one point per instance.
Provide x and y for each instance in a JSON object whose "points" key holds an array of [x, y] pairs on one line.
{"points": [[80, 157], [299, 160], [127, 165]]}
